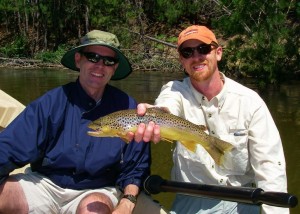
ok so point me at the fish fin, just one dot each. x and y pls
(167, 140)
(190, 145)
(124, 137)
(202, 127)
(161, 109)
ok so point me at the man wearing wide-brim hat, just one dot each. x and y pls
(105, 39)
(72, 172)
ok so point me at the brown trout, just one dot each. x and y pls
(172, 128)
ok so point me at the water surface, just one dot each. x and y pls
(27, 85)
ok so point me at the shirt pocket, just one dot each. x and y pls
(236, 162)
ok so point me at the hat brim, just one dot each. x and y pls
(122, 71)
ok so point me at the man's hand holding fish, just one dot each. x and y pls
(145, 132)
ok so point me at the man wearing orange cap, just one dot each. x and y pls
(231, 112)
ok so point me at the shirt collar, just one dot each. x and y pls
(222, 95)
(86, 102)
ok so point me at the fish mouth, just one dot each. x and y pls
(94, 126)
(95, 133)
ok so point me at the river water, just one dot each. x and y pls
(27, 84)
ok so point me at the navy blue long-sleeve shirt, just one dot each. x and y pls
(51, 135)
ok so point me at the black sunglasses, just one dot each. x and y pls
(188, 52)
(94, 58)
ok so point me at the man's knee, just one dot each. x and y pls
(95, 203)
(12, 197)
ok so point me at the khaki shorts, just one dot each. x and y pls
(43, 196)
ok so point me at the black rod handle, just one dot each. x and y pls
(279, 199)
(154, 184)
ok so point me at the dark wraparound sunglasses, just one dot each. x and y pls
(188, 52)
(94, 58)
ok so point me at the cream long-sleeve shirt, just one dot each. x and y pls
(237, 115)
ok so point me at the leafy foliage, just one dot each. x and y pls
(51, 56)
(260, 38)
(267, 50)
(17, 48)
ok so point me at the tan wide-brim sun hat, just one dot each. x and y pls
(102, 38)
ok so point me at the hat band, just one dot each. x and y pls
(93, 41)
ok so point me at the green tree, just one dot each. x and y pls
(260, 38)
(266, 51)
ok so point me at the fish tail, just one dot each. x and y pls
(218, 150)
(222, 145)
(216, 155)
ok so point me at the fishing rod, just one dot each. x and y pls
(153, 39)
(154, 184)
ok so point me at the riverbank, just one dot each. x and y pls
(26, 63)
(151, 64)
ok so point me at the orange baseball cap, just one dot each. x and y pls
(197, 32)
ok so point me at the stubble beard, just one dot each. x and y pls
(200, 76)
